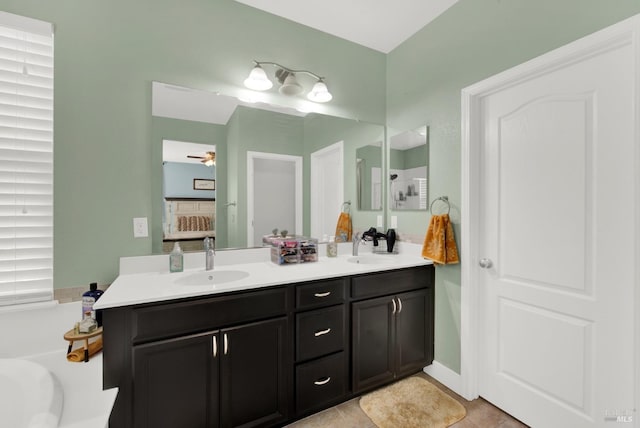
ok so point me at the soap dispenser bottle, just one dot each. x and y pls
(332, 247)
(176, 259)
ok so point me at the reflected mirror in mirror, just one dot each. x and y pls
(188, 194)
(241, 131)
(369, 177)
(408, 169)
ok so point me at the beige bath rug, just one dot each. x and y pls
(412, 402)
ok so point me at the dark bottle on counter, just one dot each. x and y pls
(88, 299)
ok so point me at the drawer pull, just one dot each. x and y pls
(325, 294)
(322, 382)
(393, 302)
(215, 346)
(399, 305)
(226, 344)
(322, 332)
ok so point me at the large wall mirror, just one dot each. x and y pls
(275, 168)
(408, 169)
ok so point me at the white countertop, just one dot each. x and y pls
(157, 286)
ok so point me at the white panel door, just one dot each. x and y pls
(274, 186)
(274, 195)
(556, 245)
(327, 189)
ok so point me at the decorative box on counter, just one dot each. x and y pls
(294, 250)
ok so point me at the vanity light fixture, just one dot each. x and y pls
(259, 81)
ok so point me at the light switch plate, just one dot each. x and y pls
(394, 221)
(140, 227)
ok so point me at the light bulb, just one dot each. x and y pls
(320, 93)
(290, 86)
(258, 80)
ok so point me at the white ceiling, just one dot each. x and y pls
(378, 24)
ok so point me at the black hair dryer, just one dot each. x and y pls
(391, 240)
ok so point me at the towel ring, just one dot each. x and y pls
(444, 199)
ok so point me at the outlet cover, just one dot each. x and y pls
(379, 221)
(394, 221)
(140, 227)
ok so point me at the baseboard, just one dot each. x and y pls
(445, 376)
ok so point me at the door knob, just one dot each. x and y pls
(485, 263)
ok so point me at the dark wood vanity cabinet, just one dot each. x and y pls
(392, 335)
(213, 379)
(321, 344)
(176, 383)
(225, 362)
(265, 358)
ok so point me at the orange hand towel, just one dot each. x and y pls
(344, 228)
(77, 355)
(439, 243)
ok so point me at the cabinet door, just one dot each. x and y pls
(176, 383)
(254, 366)
(413, 347)
(372, 340)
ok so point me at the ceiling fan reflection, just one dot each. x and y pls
(208, 159)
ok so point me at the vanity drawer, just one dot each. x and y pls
(320, 382)
(321, 293)
(391, 282)
(320, 332)
(161, 321)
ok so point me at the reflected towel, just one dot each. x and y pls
(77, 355)
(343, 228)
(439, 243)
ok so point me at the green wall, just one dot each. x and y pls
(469, 42)
(107, 53)
(409, 158)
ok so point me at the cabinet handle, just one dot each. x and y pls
(325, 294)
(393, 302)
(322, 382)
(322, 332)
(214, 340)
(226, 344)
(399, 305)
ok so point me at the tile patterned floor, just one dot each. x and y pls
(480, 414)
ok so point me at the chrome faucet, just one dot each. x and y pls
(209, 252)
(356, 242)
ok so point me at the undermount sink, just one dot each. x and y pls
(212, 277)
(371, 259)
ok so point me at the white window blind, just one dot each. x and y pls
(26, 160)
